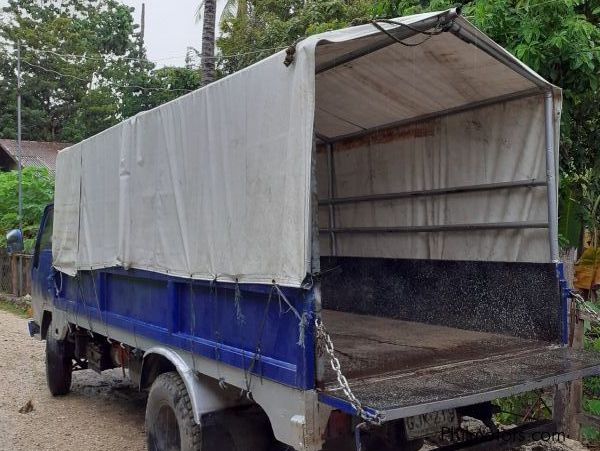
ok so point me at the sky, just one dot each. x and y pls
(170, 29)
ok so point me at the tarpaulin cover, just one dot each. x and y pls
(475, 147)
(217, 184)
(212, 185)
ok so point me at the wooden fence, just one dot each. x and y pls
(10, 266)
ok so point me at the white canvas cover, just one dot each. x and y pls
(212, 185)
(475, 147)
(217, 184)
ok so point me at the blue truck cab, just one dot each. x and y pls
(352, 243)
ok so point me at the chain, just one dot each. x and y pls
(370, 417)
(583, 305)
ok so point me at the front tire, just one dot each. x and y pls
(59, 365)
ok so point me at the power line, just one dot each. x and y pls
(103, 58)
(149, 88)
(124, 58)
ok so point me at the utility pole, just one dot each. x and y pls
(20, 167)
(143, 24)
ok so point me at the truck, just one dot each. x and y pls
(351, 243)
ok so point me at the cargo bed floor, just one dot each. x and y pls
(404, 368)
(369, 345)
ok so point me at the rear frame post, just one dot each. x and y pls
(551, 176)
(331, 194)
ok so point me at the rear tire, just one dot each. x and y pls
(170, 424)
(59, 365)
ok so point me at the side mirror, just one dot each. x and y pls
(14, 241)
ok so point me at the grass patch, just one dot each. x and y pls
(11, 307)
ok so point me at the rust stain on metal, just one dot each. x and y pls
(474, 124)
(384, 136)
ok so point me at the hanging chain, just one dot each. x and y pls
(583, 306)
(370, 417)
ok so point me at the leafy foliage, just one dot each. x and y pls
(515, 408)
(38, 191)
(580, 204)
(591, 386)
(171, 78)
(274, 24)
(570, 211)
(68, 97)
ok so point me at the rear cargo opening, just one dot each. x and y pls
(436, 226)
(408, 314)
(416, 336)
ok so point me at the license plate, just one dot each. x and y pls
(430, 423)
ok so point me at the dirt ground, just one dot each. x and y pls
(103, 412)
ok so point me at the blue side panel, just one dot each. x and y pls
(264, 330)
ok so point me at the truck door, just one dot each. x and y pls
(42, 282)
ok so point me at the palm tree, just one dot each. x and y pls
(207, 64)
(233, 8)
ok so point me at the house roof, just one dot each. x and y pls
(34, 153)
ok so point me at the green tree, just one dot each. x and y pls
(235, 9)
(66, 96)
(275, 24)
(56, 88)
(168, 83)
(38, 191)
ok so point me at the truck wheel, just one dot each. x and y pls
(170, 424)
(59, 366)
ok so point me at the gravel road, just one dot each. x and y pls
(103, 412)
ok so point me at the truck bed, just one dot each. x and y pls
(370, 345)
(405, 368)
